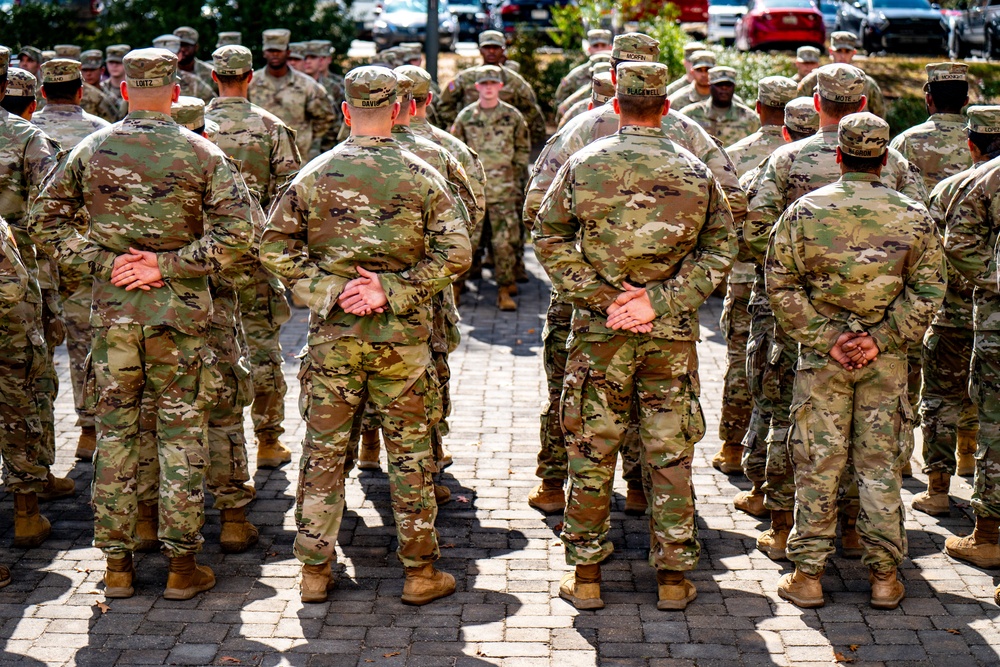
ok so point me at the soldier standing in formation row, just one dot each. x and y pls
(598, 41)
(724, 118)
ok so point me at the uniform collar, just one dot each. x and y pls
(149, 115)
(401, 129)
(642, 131)
(949, 117)
(860, 176)
(372, 141)
(72, 108)
(771, 129)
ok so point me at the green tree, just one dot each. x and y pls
(32, 24)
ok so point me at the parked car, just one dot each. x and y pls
(978, 27)
(829, 10)
(895, 25)
(722, 18)
(780, 24)
(401, 21)
(527, 14)
(473, 18)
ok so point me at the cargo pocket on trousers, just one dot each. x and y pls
(209, 378)
(240, 466)
(906, 424)
(244, 382)
(694, 419)
(305, 382)
(90, 394)
(571, 401)
(770, 381)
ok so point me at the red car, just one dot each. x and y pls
(780, 24)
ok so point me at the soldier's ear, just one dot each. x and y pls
(175, 94)
(614, 103)
(840, 156)
(666, 107)
(345, 108)
(430, 98)
(864, 103)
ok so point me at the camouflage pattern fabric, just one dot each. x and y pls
(750, 151)
(466, 156)
(574, 111)
(193, 85)
(581, 94)
(68, 124)
(937, 147)
(984, 390)
(678, 84)
(333, 84)
(461, 92)
(686, 96)
(759, 372)
(576, 77)
(728, 125)
(300, 102)
(113, 92)
(552, 458)
(876, 102)
(97, 103)
(736, 401)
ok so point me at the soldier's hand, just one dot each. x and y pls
(861, 349)
(136, 270)
(631, 311)
(363, 295)
(851, 361)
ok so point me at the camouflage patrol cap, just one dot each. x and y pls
(296, 50)
(843, 40)
(232, 60)
(839, 82)
(318, 48)
(31, 52)
(411, 50)
(636, 47)
(211, 129)
(692, 47)
(807, 54)
(150, 68)
(226, 38)
(776, 91)
(187, 35)
(801, 115)
(600, 57)
(71, 51)
(863, 135)
(492, 38)
(420, 78)
(169, 42)
(388, 58)
(700, 59)
(189, 112)
(92, 59)
(600, 68)
(984, 119)
(48, 55)
(370, 87)
(722, 75)
(404, 86)
(59, 70)
(4, 59)
(643, 79)
(599, 37)
(277, 39)
(20, 83)
(115, 52)
(603, 89)
(946, 72)
(489, 73)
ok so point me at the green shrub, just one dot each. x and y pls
(904, 113)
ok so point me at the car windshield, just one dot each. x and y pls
(412, 6)
(786, 4)
(728, 3)
(901, 4)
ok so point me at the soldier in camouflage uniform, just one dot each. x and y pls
(588, 100)
(721, 116)
(806, 60)
(317, 65)
(773, 93)
(92, 69)
(499, 134)
(191, 84)
(291, 96)
(583, 91)
(112, 86)
(183, 216)
(699, 88)
(689, 50)
(972, 229)
(187, 58)
(598, 42)
(855, 272)
(368, 287)
(20, 97)
(635, 326)
(842, 50)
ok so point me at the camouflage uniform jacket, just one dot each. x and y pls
(97, 103)
(203, 71)
(333, 84)
(578, 76)
(193, 86)
(678, 84)
(113, 92)
(728, 125)
(582, 93)
(299, 101)
(500, 137)
(147, 183)
(956, 310)
(687, 96)
(937, 147)
(68, 124)
(750, 151)
(636, 207)
(467, 157)
(580, 107)
(394, 215)
(876, 103)
(855, 256)
(461, 92)
(18, 320)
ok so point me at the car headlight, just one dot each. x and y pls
(880, 22)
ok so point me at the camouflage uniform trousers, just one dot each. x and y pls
(157, 380)
(606, 378)
(945, 406)
(79, 336)
(758, 348)
(263, 311)
(778, 383)
(505, 225)
(337, 378)
(47, 383)
(736, 401)
(984, 390)
(842, 417)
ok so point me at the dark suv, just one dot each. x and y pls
(895, 25)
(527, 14)
(977, 28)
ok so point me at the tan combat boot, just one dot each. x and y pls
(271, 453)
(504, 300)
(774, 540)
(238, 534)
(582, 588)
(30, 527)
(981, 548)
(548, 497)
(87, 443)
(801, 589)
(370, 447)
(887, 590)
(187, 578)
(316, 582)
(934, 500)
(147, 528)
(850, 541)
(965, 450)
(674, 592)
(118, 577)
(57, 487)
(751, 502)
(425, 584)
(729, 459)
(635, 498)
(442, 494)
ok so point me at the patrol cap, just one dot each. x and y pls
(492, 38)
(411, 50)
(801, 115)
(776, 91)
(937, 72)
(277, 39)
(600, 57)
(31, 52)
(48, 55)
(318, 48)
(404, 85)
(4, 59)
(388, 58)
(603, 89)
(169, 42)
(595, 37)
(807, 54)
(297, 50)
(232, 60)
(643, 79)
(370, 87)
(187, 35)
(489, 73)
(600, 68)
(984, 119)
(839, 82)
(843, 40)
(189, 112)
(92, 59)
(115, 52)
(211, 129)
(420, 78)
(60, 70)
(71, 51)
(863, 135)
(636, 47)
(150, 68)
(20, 82)
(722, 75)
(226, 38)
(701, 59)
(691, 47)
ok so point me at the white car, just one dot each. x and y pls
(364, 15)
(722, 18)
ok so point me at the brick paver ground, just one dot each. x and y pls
(507, 559)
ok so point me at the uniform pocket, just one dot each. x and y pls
(305, 383)
(694, 418)
(907, 421)
(244, 382)
(571, 402)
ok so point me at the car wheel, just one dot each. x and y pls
(956, 48)
(989, 45)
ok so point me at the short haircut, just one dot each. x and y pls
(644, 107)
(16, 104)
(422, 100)
(949, 96)
(796, 135)
(772, 115)
(986, 143)
(838, 109)
(368, 114)
(63, 90)
(232, 79)
(869, 165)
